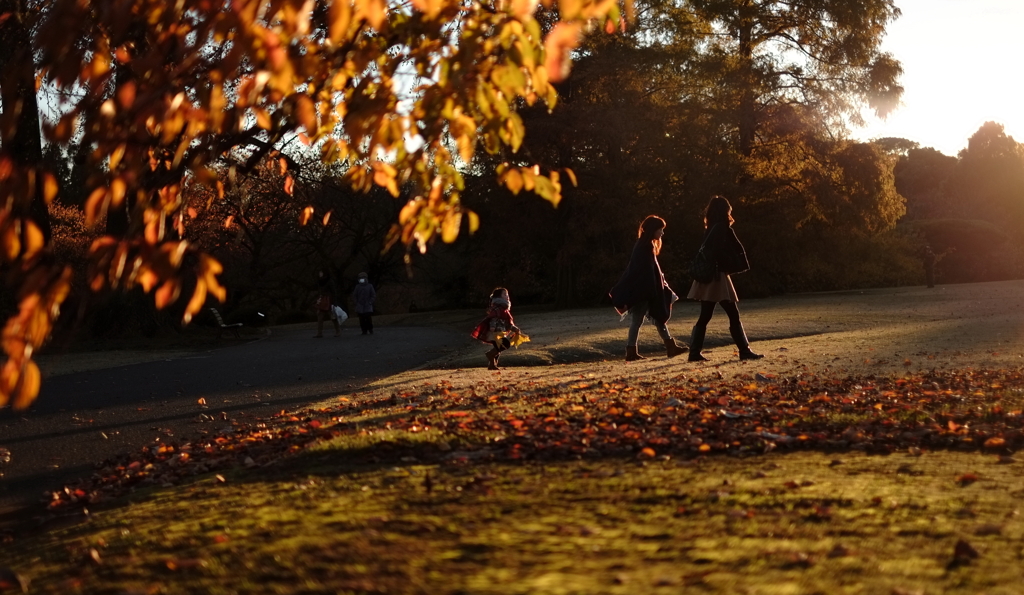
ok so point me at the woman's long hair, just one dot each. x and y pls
(647, 229)
(718, 211)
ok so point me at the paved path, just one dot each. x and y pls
(85, 417)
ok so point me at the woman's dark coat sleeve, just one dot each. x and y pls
(643, 282)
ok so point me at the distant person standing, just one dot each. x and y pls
(643, 292)
(325, 303)
(929, 266)
(726, 250)
(364, 295)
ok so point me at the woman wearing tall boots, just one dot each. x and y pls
(721, 243)
(643, 292)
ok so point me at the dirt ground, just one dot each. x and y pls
(875, 331)
(882, 332)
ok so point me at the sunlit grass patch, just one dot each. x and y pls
(571, 485)
(799, 523)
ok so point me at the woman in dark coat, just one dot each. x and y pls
(643, 292)
(721, 243)
(364, 296)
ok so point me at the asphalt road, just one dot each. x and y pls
(83, 418)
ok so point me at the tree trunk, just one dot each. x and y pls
(18, 94)
(565, 287)
(747, 118)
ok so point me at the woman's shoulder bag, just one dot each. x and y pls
(704, 266)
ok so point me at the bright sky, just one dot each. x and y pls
(963, 65)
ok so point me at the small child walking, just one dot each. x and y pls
(497, 328)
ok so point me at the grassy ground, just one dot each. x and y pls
(799, 523)
(871, 452)
(569, 486)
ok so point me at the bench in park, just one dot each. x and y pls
(220, 322)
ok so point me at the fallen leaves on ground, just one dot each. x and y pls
(570, 418)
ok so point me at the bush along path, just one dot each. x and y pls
(488, 454)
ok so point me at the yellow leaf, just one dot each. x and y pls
(262, 118)
(558, 45)
(572, 176)
(9, 375)
(154, 231)
(514, 181)
(115, 157)
(148, 280)
(463, 128)
(384, 175)
(50, 187)
(38, 325)
(341, 16)
(289, 185)
(118, 188)
(430, 8)
(474, 222)
(327, 217)
(410, 210)
(96, 206)
(167, 293)
(11, 243)
(374, 11)
(33, 239)
(210, 269)
(523, 9)
(529, 178)
(450, 228)
(307, 213)
(28, 386)
(196, 303)
(515, 339)
(569, 9)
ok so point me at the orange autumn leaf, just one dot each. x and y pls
(558, 47)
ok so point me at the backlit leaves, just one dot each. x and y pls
(196, 92)
(42, 293)
(563, 39)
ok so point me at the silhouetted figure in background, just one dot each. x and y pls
(929, 266)
(364, 295)
(725, 248)
(643, 292)
(324, 303)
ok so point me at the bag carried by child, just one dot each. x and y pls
(338, 314)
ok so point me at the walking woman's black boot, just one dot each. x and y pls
(740, 338)
(696, 344)
(673, 349)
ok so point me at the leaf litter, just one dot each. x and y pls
(457, 442)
